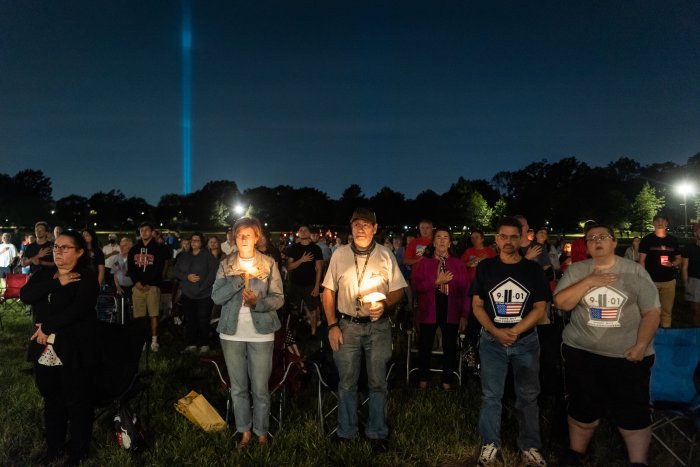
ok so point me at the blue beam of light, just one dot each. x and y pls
(186, 98)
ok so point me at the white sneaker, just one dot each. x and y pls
(155, 347)
(533, 457)
(190, 349)
(488, 454)
(204, 349)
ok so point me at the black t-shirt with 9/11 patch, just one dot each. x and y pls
(509, 291)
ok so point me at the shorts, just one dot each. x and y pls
(298, 293)
(146, 303)
(596, 384)
(692, 290)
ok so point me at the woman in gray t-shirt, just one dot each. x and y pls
(608, 345)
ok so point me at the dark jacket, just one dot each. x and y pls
(67, 311)
(204, 265)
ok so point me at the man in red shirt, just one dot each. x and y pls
(414, 250)
(477, 252)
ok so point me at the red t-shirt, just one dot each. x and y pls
(416, 247)
(471, 253)
(579, 250)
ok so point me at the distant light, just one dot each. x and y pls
(464, 227)
(685, 188)
(142, 213)
(53, 212)
(95, 224)
(161, 224)
(265, 224)
(239, 209)
(405, 227)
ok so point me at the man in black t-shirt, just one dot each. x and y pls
(40, 253)
(305, 263)
(509, 298)
(659, 254)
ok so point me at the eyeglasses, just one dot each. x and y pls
(601, 237)
(63, 248)
(505, 238)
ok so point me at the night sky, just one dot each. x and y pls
(405, 94)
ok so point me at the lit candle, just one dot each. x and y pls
(373, 298)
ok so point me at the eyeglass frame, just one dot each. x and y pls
(601, 237)
(63, 248)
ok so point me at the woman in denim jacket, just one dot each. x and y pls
(249, 287)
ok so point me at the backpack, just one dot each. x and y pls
(127, 429)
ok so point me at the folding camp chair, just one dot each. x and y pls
(412, 353)
(9, 299)
(675, 391)
(327, 384)
(119, 382)
(287, 371)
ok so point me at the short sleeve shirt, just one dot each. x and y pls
(33, 249)
(659, 250)
(382, 274)
(509, 291)
(416, 247)
(692, 254)
(606, 320)
(305, 273)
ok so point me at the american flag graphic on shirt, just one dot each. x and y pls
(604, 313)
(508, 309)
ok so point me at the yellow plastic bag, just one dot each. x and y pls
(199, 411)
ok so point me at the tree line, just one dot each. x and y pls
(561, 195)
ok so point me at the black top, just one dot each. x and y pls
(67, 311)
(305, 273)
(146, 263)
(692, 253)
(33, 249)
(510, 290)
(659, 249)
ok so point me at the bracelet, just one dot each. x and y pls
(334, 325)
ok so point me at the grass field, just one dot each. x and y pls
(430, 428)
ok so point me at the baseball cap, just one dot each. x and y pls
(364, 214)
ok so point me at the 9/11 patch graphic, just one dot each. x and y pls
(604, 307)
(508, 300)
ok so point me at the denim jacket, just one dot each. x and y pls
(265, 280)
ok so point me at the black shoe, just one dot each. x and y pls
(571, 458)
(380, 446)
(335, 439)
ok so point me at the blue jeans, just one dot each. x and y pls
(252, 360)
(375, 339)
(524, 357)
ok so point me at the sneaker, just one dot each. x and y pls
(533, 457)
(190, 349)
(155, 347)
(204, 349)
(488, 454)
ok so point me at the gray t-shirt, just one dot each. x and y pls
(382, 274)
(606, 320)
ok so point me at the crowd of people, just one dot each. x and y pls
(348, 286)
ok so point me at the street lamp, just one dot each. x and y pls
(239, 209)
(685, 188)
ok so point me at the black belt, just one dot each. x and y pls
(359, 319)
